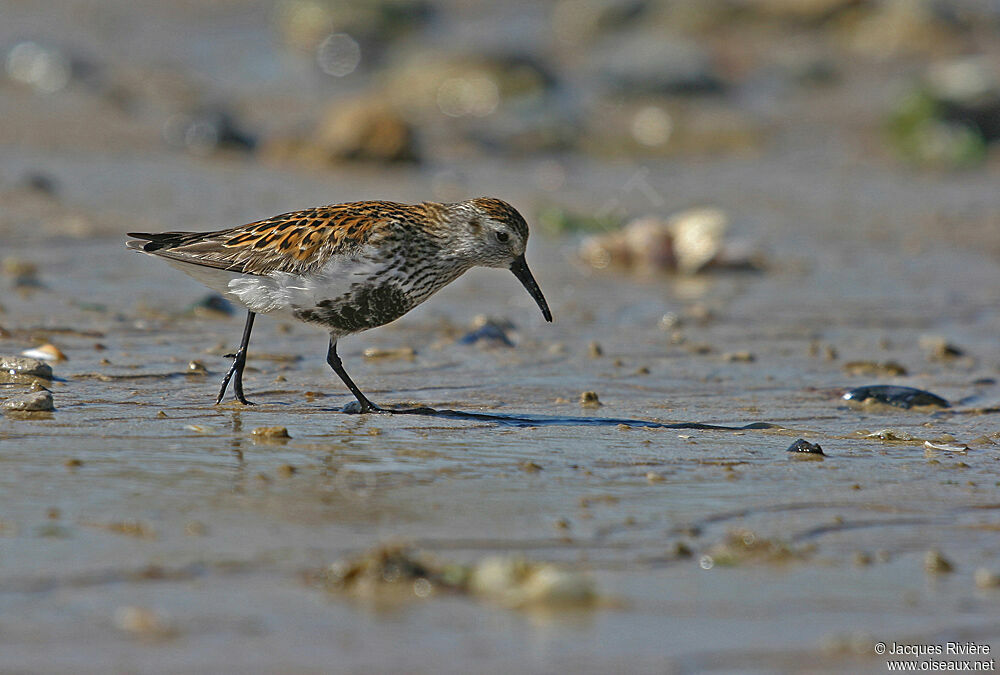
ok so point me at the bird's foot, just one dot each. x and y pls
(242, 401)
(358, 408)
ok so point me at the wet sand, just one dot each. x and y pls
(711, 549)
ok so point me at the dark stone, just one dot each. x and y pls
(802, 445)
(489, 332)
(901, 397)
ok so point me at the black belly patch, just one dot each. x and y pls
(362, 308)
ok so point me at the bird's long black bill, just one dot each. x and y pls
(520, 269)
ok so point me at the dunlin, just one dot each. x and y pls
(347, 267)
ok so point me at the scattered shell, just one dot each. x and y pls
(741, 545)
(900, 397)
(374, 353)
(936, 563)
(960, 448)
(589, 399)
(986, 578)
(516, 582)
(270, 432)
(688, 242)
(46, 352)
(804, 446)
(697, 237)
(891, 435)
(19, 368)
(34, 401)
(393, 571)
(510, 581)
(144, 622)
(670, 321)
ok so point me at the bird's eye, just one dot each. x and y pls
(502, 237)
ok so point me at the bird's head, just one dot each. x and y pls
(491, 233)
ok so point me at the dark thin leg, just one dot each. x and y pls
(239, 362)
(338, 367)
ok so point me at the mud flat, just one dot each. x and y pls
(610, 492)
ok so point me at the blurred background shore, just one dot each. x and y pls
(739, 209)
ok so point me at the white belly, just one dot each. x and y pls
(284, 292)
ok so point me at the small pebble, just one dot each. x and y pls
(589, 399)
(73, 464)
(491, 332)
(271, 432)
(529, 467)
(682, 550)
(24, 273)
(874, 368)
(670, 321)
(197, 368)
(213, 306)
(594, 349)
(891, 435)
(195, 528)
(654, 477)
(936, 563)
(739, 357)
(286, 470)
(558, 349)
(23, 367)
(863, 558)
(939, 349)
(373, 353)
(35, 401)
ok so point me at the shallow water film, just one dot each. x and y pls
(740, 213)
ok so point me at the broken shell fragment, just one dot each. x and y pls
(46, 352)
(687, 242)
